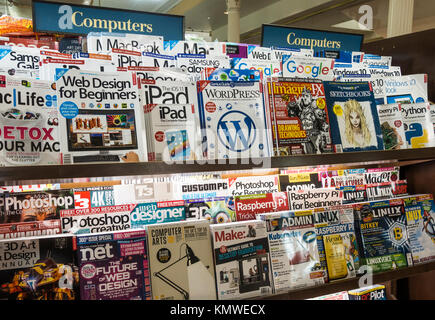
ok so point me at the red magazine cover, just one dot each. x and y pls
(301, 118)
(248, 206)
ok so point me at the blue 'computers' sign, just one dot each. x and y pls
(57, 17)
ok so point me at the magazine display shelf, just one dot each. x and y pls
(349, 284)
(417, 166)
(24, 173)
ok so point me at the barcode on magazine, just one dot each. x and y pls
(338, 148)
(67, 159)
(265, 290)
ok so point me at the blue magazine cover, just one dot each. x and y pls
(353, 116)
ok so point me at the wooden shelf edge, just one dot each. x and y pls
(155, 168)
(350, 284)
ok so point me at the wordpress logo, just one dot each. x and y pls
(236, 131)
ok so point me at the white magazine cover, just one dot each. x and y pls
(123, 58)
(393, 132)
(20, 62)
(350, 71)
(52, 68)
(174, 132)
(373, 60)
(150, 59)
(145, 190)
(294, 255)
(305, 199)
(96, 220)
(260, 53)
(393, 71)
(196, 63)
(418, 125)
(233, 119)
(201, 189)
(181, 261)
(168, 92)
(308, 67)
(253, 185)
(405, 89)
(375, 81)
(104, 42)
(432, 115)
(278, 52)
(174, 47)
(268, 68)
(156, 73)
(100, 117)
(28, 122)
(241, 257)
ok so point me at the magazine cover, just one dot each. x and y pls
(308, 67)
(113, 266)
(342, 177)
(174, 132)
(196, 63)
(420, 215)
(215, 74)
(101, 118)
(353, 116)
(249, 206)
(28, 122)
(168, 92)
(380, 175)
(342, 295)
(174, 47)
(215, 210)
(29, 214)
(310, 199)
(393, 71)
(242, 262)
(293, 247)
(144, 214)
(233, 119)
(300, 117)
(259, 53)
(270, 68)
(39, 268)
(20, 62)
(336, 241)
(150, 59)
(122, 58)
(161, 74)
(209, 188)
(96, 220)
(386, 190)
(405, 89)
(382, 235)
(347, 71)
(354, 194)
(418, 125)
(374, 292)
(253, 185)
(393, 132)
(299, 181)
(181, 261)
(145, 190)
(278, 52)
(104, 42)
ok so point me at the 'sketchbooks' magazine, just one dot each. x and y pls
(353, 116)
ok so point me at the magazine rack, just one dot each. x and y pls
(417, 166)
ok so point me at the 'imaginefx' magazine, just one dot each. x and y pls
(100, 118)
